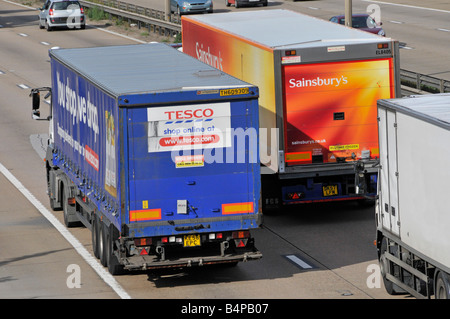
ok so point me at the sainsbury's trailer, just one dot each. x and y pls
(412, 210)
(319, 83)
(156, 153)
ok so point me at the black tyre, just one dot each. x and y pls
(95, 235)
(102, 242)
(114, 266)
(442, 286)
(390, 287)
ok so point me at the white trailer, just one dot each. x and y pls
(413, 205)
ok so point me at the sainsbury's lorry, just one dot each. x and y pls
(319, 83)
(154, 152)
(412, 210)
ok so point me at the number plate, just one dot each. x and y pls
(191, 240)
(330, 190)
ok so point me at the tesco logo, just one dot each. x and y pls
(189, 114)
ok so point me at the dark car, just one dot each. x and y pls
(241, 3)
(361, 21)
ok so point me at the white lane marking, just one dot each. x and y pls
(118, 34)
(92, 261)
(108, 31)
(23, 86)
(23, 34)
(20, 5)
(299, 262)
(396, 22)
(45, 43)
(445, 30)
(407, 6)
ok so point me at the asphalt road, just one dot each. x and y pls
(422, 27)
(317, 251)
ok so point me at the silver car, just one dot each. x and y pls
(191, 6)
(61, 13)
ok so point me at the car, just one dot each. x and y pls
(241, 3)
(61, 14)
(191, 6)
(363, 22)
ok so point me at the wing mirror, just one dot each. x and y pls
(36, 101)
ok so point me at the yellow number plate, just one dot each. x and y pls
(237, 91)
(191, 240)
(330, 190)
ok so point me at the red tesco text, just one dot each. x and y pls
(189, 114)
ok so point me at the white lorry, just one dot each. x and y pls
(413, 205)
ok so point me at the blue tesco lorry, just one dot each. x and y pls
(156, 153)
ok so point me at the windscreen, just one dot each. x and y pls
(64, 5)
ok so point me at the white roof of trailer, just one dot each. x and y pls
(430, 106)
(278, 28)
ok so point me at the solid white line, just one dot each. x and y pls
(298, 261)
(118, 34)
(396, 22)
(92, 261)
(23, 86)
(407, 6)
(445, 30)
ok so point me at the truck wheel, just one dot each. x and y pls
(102, 243)
(237, 4)
(442, 286)
(114, 266)
(390, 287)
(95, 242)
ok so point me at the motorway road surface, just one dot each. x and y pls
(320, 251)
(422, 27)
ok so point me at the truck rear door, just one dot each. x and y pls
(188, 168)
(388, 195)
(330, 109)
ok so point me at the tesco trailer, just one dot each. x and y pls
(319, 82)
(156, 153)
(413, 209)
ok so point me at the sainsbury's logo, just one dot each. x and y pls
(207, 57)
(297, 83)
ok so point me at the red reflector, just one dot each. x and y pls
(164, 240)
(143, 252)
(219, 235)
(240, 243)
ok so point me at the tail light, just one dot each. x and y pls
(241, 238)
(241, 234)
(50, 12)
(81, 10)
